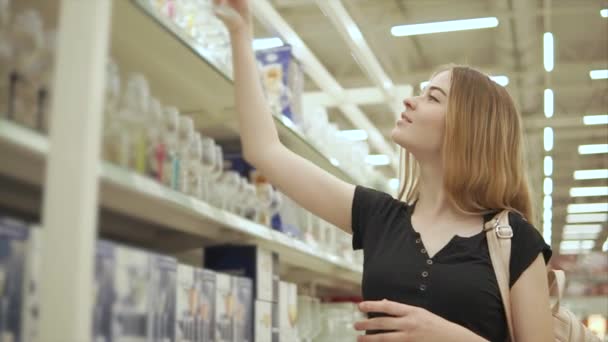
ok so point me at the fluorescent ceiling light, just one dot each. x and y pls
(547, 215)
(586, 218)
(587, 208)
(444, 26)
(596, 119)
(393, 183)
(548, 202)
(267, 43)
(605, 246)
(548, 139)
(548, 103)
(548, 166)
(377, 159)
(547, 232)
(582, 228)
(593, 149)
(548, 51)
(353, 134)
(334, 161)
(500, 79)
(579, 236)
(604, 13)
(598, 74)
(591, 174)
(589, 191)
(576, 245)
(548, 186)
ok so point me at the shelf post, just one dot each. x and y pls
(69, 214)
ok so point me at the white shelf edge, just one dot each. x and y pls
(34, 143)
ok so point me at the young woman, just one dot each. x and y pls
(427, 273)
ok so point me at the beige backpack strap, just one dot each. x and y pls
(499, 233)
(557, 278)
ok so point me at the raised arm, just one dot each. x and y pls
(310, 186)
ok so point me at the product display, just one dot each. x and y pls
(252, 262)
(224, 308)
(243, 309)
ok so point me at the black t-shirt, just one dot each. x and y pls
(458, 283)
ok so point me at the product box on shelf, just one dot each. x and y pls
(104, 290)
(30, 307)
(243, 309)
(130, 316)
(262, 325)
(288, 310)
(207, 307)
(18, 302)
(283, 80)
(195, 304)
(163, 298)
(258, 264)
(224, 310)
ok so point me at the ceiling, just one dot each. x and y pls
(514, 48)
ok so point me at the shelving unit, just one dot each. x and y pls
(129, 206)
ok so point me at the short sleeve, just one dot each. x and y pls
(526, 244)
(368, 204)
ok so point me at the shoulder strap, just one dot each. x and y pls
(499, 233)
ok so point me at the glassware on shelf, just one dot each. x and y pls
(209, 167)
(184, 138)
(133, 113)
(27, 38)
(191, 165)
(170, 173)
(227, 190)
(156, 150)
(111, 121)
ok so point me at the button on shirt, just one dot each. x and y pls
(458, 283)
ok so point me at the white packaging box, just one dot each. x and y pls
(162, 305)
(186, 304)
(133, 295)
(224, 308)
(243, 309)
(288, 311)
(263, 321)
(206, 310)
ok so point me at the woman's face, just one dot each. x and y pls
(421, 127)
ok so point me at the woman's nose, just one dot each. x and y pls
(410, 103)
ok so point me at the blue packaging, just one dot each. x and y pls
(13, 249)
(283, 80)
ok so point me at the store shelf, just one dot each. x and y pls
(188, 76)
(142, 199)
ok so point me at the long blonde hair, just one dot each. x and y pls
(483, 149)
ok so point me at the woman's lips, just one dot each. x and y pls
(405, 117)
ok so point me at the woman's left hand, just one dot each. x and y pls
(409, 323)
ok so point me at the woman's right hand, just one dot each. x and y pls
(235, 14)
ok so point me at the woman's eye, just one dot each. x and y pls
(433, 98)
